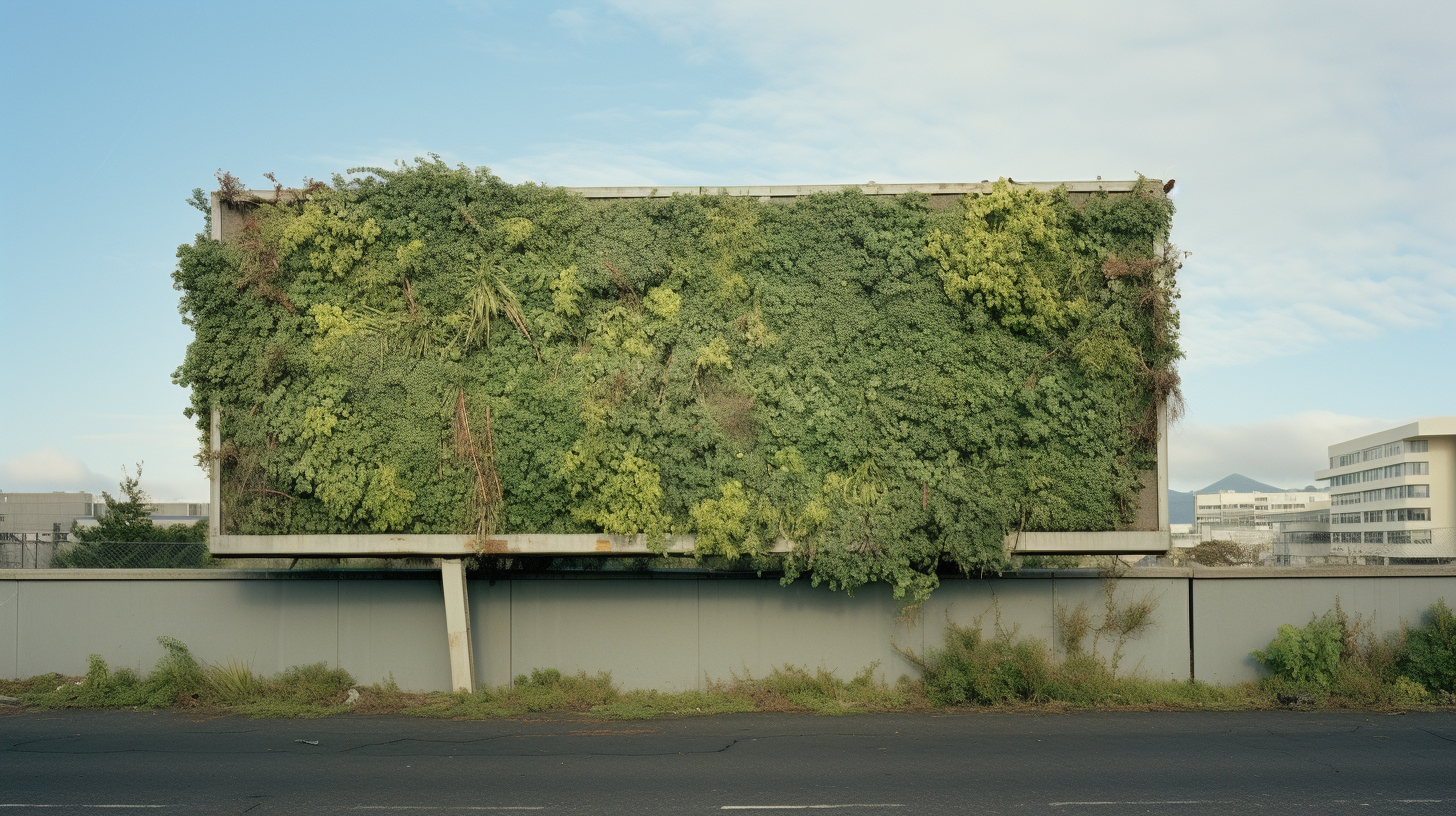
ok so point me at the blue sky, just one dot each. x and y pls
(1313, 145)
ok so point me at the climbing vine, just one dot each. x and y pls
(888, 385)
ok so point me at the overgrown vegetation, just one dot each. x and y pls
(888, 386)
(179, 680)
(1337, 659)
(1221, 553)
(126, 536)
(1430, 650)
(1411, 668)
(972, 669)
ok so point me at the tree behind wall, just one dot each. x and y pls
(126, 536)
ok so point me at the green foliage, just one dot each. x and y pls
(1338, 661)
(180, 681)
(1430, 650)
(176, 677)
(887, 387)
(972, 670)
(1308, 655)
(126, 536)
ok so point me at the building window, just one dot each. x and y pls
(1407, 492)
(1344, 518)
(1398, 537)
(1420, 536)
(1419, 446)
(1345, 538)
(1408, 514)
(1387, 472)
(1374, 516)
(1375, 538)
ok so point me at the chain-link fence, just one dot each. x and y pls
(26, 553)
(132, 555)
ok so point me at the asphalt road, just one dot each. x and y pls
(1101, 763)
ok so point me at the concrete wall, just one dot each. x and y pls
(669, 632)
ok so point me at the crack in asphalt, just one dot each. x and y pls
(437, 742)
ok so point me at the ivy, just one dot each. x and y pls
(888, 386)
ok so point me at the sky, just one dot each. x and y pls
(1312, 144)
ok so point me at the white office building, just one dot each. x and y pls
(1393, 493)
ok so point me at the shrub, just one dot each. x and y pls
(1430, 650)
(970, 669)
(1308, 655)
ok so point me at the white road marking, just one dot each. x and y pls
(798, 807)
(83, 806)
(1167, 802)
(449, 807)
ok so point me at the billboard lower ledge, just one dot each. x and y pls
(386, 545)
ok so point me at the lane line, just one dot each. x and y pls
(1167, 802)
(803, 807)
(449, 807)
(13, 805)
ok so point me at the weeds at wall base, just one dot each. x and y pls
(1334, 663)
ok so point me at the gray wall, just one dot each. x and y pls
(665, 632)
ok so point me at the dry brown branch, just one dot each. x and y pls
(488, 492)
(628, 294)
(229, 187)
(259, 266)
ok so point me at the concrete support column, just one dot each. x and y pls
(214, 478)
(457, 624)
(1163, 514)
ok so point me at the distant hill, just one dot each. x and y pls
(1181, 505)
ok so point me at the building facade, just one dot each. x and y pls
(1251, 510)
(1393, 493)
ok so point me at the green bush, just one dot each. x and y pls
(1308, 655)
(1430, 650)
(971, 669)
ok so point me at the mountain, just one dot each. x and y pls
(1181, 505)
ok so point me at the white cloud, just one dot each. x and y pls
(1284, 451)
(1311, 142)
(48, 469)
(585, 25)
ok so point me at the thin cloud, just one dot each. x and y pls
(1312, 140)
(1284, 451)
(46, 470)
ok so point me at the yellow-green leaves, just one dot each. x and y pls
(566, 291)
(1006, 259)
(735, 524)
(515, 231)
(663, 302)
(714, 356)
(334, 240)
(616, 491)
(1106, 352)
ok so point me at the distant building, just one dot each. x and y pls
(1255, 519)
(1393, 493)
(33, 524)
(1183, 535)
